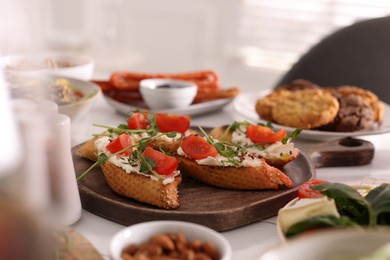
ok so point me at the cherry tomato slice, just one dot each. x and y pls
(197, 148)
(121, 142)
(165, 164)
(304, 191)
(262, 134)
(138, 121)
(172, 123)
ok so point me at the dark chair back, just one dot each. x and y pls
(355, 55)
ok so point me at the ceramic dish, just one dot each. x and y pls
(167, 93)
(67, 64)
(334, 244)
(81, 107)
(140, 233)
(79, 97)
(367, 184)
(244, 104)
(192, 110)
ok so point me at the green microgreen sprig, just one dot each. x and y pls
(224, 148)
(294, 134)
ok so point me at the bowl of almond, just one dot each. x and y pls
(170, 239)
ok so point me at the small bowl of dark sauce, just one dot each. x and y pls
(167, 93)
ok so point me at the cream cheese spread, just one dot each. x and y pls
(244, 160)
(275, 150)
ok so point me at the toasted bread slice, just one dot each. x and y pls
(278, 161)
(133, 185)
(239, 178)
(88, 150)
(142, 188)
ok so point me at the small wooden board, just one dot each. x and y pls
(216, 208)
(73, 245)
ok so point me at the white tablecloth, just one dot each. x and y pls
(248, 242)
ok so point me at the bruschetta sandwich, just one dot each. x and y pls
(225, 165)
(136, 158)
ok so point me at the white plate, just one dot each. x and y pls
(334, 244)
(245, 103)
(192, 110)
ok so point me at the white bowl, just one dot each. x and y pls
(78, 109)
(74, 65)
(167, 93)
(42, 88)
(333, 244)
(139, 233)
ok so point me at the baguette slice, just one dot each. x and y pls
(238, 178)
(279, 161)
(142, 188)
(88, 150)
(133, 185)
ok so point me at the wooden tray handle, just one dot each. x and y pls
(342, 152)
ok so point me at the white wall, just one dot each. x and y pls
(155, 36)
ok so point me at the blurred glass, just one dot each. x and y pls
(10, 150)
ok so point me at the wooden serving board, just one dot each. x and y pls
(72, 245)
(216, 208)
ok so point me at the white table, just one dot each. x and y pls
(248, 242)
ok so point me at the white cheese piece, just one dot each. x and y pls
(304, 209)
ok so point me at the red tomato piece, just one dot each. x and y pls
(197, 148)
(172, 123)
(305, 191)
(138, 121)
(262, 134)
(165, 164)
(121, 142)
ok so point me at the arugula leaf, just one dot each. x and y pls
(146, 165)
(102, 158)
(171, 134)
(233, 127)
(291, 136)
(323, 221)
(349, 202)
(379, 199)
(123, 126)
(268, 124)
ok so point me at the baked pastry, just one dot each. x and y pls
(302, 108)
(355, 113)
(265, 105)
(299, 84)
(369, 96)
(303, 104)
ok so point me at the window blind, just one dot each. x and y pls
(273, 34)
